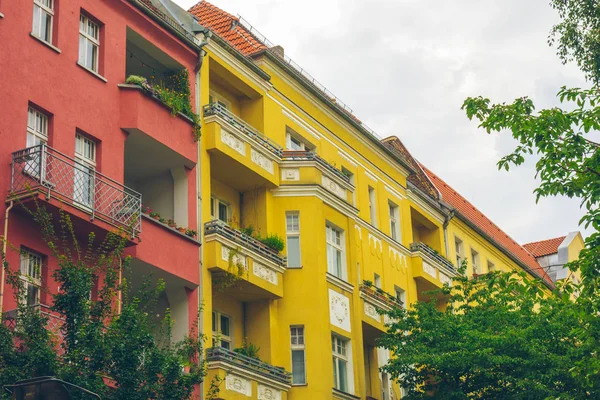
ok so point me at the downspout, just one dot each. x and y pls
(4, 245)
(445, 226)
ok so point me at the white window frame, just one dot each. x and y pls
(373, 206)
(475, 261)
(294, 138)
(25, 274)
(491, 266)
(41, 9)
(297, 346)
(395, 230)
(218, 335)
(37, 127)
(214, 97)
(334, 234)
(459, 248)
(85, 168)
(400, 295)
(377, 280)
(88, 37)
(214, 209)
(337, 343)
(293, 232)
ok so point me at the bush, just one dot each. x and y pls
(136, 80)
(273, 241)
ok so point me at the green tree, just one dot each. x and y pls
(500, 337)
(110, 351)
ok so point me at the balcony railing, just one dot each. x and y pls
(252, 364)
(380, 295)
(53, 323)
(431, 253)
(291, 155)
(243, 126)
(41, 168)
(220, 228)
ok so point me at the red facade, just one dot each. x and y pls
(129, 144)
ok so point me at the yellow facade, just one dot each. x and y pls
(248, 179)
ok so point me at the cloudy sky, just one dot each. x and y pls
(405, 67)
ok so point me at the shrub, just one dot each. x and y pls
(273, 241)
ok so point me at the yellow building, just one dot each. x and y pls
(364, 226)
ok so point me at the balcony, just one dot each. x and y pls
(248, 376)
(53, 323)
(142, 113)
(262, 268)
(229, 138)
(306, 167)
(430, 268)
(375, 299)
(43, 171)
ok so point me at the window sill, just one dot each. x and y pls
(334, 280)
(299, 384)
(56, 49)
(97, 75)
(1, 15)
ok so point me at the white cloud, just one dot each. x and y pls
(406, 66)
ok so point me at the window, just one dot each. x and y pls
(295, 142)
(350, 176)
(85, 167)
(491, 266)
(31, 275)
(475, 261)
(214, 97)
(89, 43)
(340, 363)
(37, 127)
(372, 207)
(335, 252)
(221, 329)
(400, 296)
(292, 222)
(219, 210)
(298, 355)
(458, 247)
(43, 13)
(394, 221)
(377, 280)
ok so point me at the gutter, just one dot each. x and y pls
(240, 57)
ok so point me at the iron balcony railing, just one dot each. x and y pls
(54, 323)
(305, 155)
(252, 364)
(41, 168)
(219, 227)
(235, 121)
(423, 248)
(369, 290)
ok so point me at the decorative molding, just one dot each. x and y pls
(393, 191)
(371, 175)
(290, 174)
(233, 142)
(268, 393)
(244, 251)
(429, 269)
(377, 247)
(237, 258)
(264, 272)
(397, 259)
(348, 158)
(303, 124)
(319, 192)
(371, 311)
(333, 187)
(238, 384)
(261, 160)
(445, 279)
(339, 310)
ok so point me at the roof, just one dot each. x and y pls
(417, 178)
(228, 27)
(544, 247)
(478, 219)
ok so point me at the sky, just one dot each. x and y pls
(405, 68)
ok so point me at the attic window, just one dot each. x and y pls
(295, 142)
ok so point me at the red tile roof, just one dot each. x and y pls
(544, 247)
(477, 218)
(227, 27)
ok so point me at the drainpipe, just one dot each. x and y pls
(445, 226)
(4, 245)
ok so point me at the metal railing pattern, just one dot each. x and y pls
(378, 294)
(221, 228)
(305, 155)
(265, 369)
(48, 170)
(423, 248)
(53, 324)
(240, 124)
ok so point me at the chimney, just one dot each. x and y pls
(278, 50)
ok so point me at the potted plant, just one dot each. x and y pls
(367, 283)
(191, 233)
(146, 210)
(181, 229)
(172, 223)
(155, 215)
(162, 220)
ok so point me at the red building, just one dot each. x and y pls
(77, 138)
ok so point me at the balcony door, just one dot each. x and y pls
(84, 172)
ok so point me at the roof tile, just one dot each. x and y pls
(544, 247)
